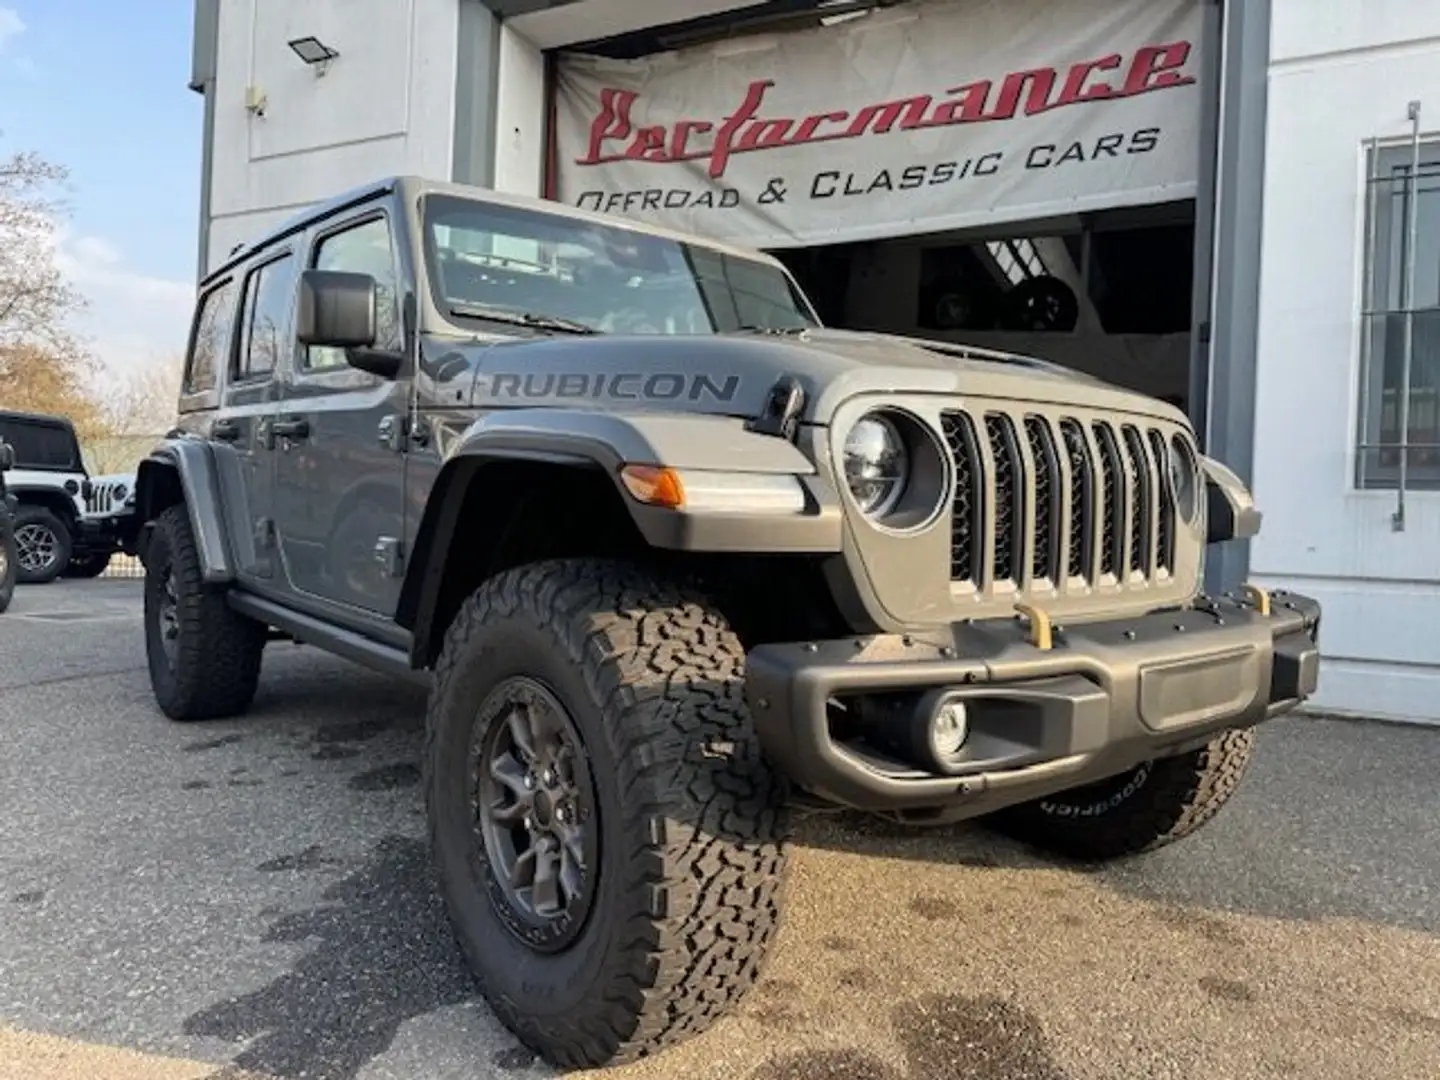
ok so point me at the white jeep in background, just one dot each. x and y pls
(66, 521)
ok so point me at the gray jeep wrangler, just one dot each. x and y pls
(674, 560)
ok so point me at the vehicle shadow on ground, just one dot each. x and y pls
(1306, 810)
(382, 952)
(1303, 838)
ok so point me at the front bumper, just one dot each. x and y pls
(1103, 698)
(112, 532)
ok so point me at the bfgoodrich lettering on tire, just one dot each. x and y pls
(204, 658)
(1141, 810)
(634, 903)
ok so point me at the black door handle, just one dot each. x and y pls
(225, 430)
(291, 429)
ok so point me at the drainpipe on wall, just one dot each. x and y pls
(204, 51)
(1233, 168)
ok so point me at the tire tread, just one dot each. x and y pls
(1181, 794)
(218, 668)
(704, 898)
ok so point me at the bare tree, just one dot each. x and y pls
(43, 366)
(142, 400)
(35, 300)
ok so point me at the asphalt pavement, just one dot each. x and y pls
(253, 898)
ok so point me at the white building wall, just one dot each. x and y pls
(1342, 72)
(519, 115)
(385, 106)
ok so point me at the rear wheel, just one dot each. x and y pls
(1141, 810)
(42, 545)
(204, 658)
(609, 840)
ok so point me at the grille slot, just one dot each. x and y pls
(1009, 493)
(1057, 486)
(1079, 498)
(969, 501)
(1165, 534)
(1046, 529)
(1141, 485)
(1111, 474)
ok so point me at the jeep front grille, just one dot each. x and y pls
(1040, 498)
(105, 498)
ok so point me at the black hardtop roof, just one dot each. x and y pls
(411, 187)
(38, 418)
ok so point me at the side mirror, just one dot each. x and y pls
(337, 309)
(7, 457)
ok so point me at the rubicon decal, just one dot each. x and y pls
(615, 137)
(617, 386)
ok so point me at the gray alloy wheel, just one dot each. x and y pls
(42, 545)
(534, 802)
(35, 547)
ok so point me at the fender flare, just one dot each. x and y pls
(191, 464)
(604, 442)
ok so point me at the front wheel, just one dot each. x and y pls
(1141, 810)
(609, 841)
(42, 545)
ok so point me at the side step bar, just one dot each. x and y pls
(374, 655)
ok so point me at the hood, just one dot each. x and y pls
(732, 374)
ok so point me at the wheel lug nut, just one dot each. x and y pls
(548, 776)
(529, 781)
(529, 823)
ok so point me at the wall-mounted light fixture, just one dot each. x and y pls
(314, 52)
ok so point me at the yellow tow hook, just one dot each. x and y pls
(1040, 629)
(1257, 596)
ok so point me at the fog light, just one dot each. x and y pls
(948, 731)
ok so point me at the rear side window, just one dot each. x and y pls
(265, 329)
(211, 336)
(40, 445)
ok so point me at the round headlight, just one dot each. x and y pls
(877, 464)
(1183, 479)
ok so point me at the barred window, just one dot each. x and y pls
(1400, 417)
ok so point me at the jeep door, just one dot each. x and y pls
(256, 357)
(340, 483)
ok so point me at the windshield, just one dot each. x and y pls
(485, 258)
(39, 445)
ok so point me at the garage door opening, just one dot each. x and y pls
(1108, 294)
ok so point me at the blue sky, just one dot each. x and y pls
(98, 86)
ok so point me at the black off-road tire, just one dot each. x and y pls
(41, 517)
(217, 652)
(8, 565)
(692, 834)
(1141, 810)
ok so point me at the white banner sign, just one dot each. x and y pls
(921, 118)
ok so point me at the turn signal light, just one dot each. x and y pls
(654, 485)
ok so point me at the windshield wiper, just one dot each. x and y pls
(522, 318)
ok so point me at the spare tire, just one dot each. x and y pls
(1042, 303)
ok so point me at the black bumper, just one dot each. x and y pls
(1102, 699)
(107, 534)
